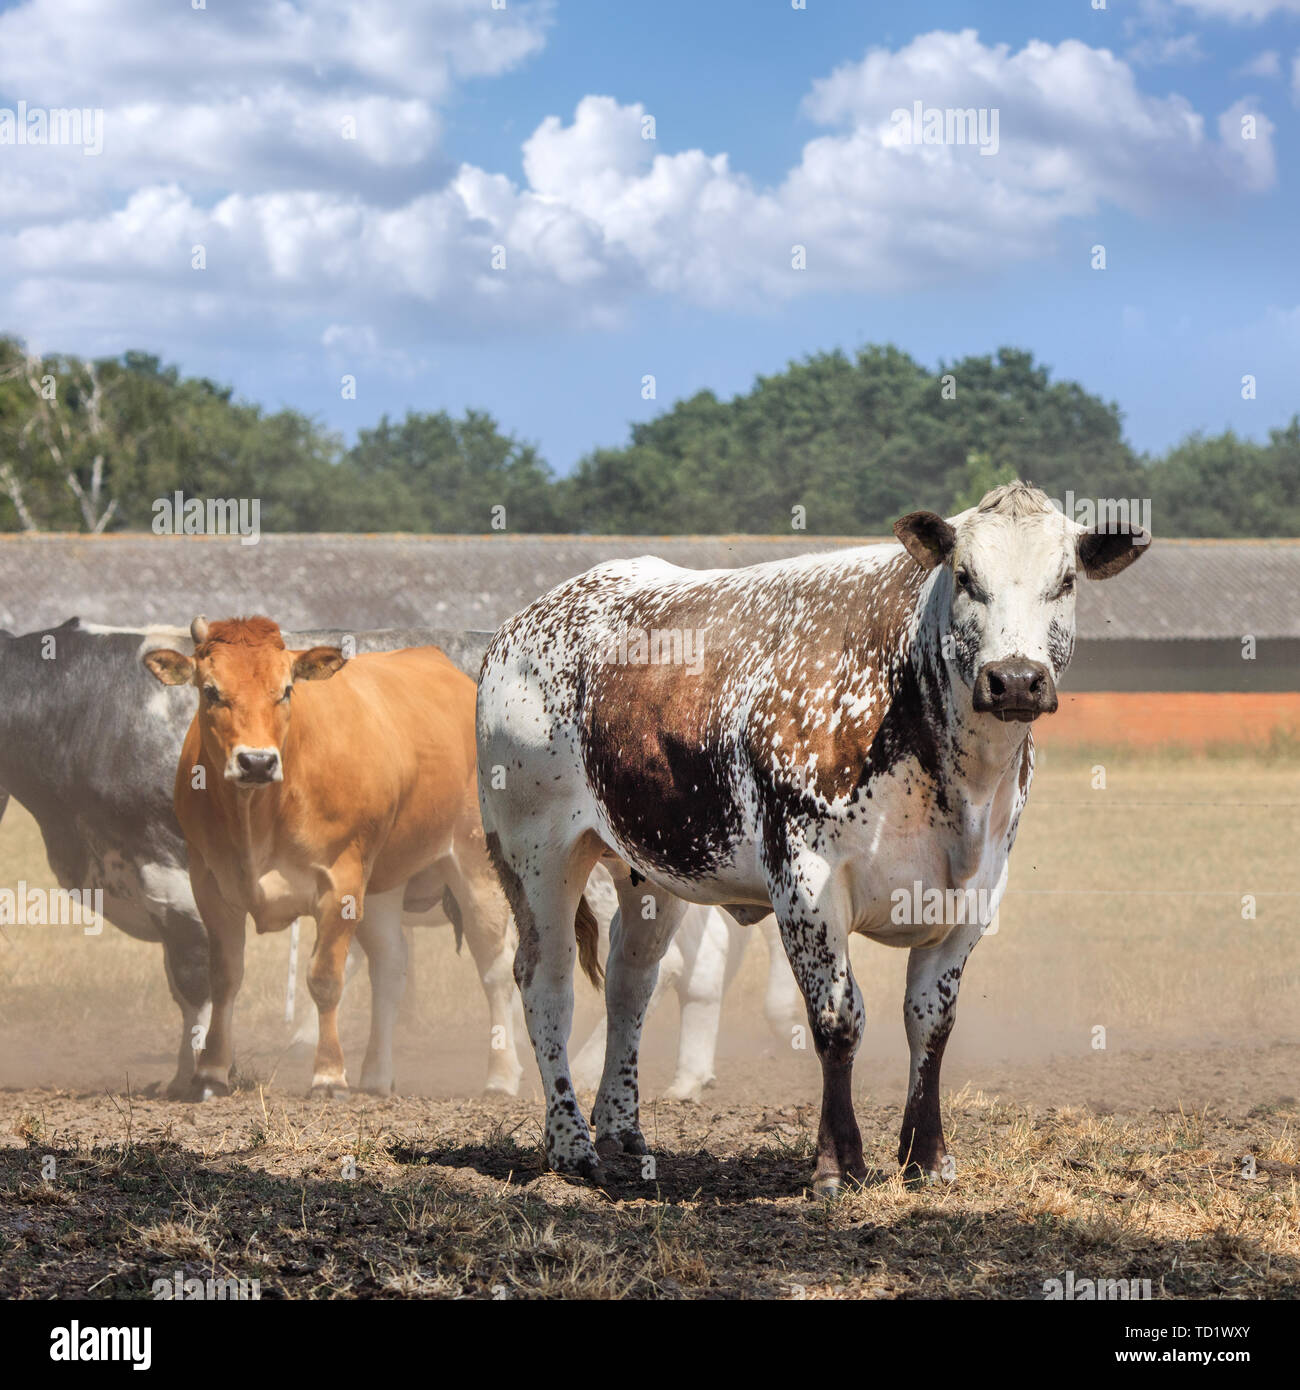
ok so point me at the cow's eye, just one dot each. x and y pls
(288, 690)
(963, 580)
(211, 694)
(1067, 586)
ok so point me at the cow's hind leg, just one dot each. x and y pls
(225, 928)
(543, 882)
(930, 1006)
(483, 917)
(381, 937)
(638, 937)
(492, 944)
(185, 958)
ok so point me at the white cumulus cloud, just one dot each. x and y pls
(310, 245)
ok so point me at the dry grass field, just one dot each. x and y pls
(1121, 1101)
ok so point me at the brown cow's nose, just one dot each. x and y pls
(258, 765)
(1017, 689)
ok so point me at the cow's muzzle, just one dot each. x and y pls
(255, 767)
(1015, 689)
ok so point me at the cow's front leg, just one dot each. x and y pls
(225, 928)
(337, 914)
(639, 935)
(812, 916)
(705, 955)
(929, 1008)
(782, 1006)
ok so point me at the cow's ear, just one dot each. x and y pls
(170, 667)
(1103, 553)
(318, 664)
(927, 536)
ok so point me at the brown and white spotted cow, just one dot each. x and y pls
(361, 801)
(821, 736)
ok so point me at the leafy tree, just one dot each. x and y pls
(853, 443)
(834, 444)
(982, 476)
(1226, 486)
(436, 473)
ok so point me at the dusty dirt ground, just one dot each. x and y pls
(1164, 1147)
(414, 1196)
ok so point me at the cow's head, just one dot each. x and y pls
(1010, 569)
(245, 679)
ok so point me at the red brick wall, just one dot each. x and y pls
(1193, 720)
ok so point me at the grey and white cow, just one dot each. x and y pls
(97, 776)
(851, 735)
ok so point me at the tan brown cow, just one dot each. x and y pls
(332, 812)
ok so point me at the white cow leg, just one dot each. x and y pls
(602, 898)
(489, 931)
(929, 1009)
(544, 883)
(380, 935)
(782, 1004)
(705, 948)
(590, 1061)
(638, 937)
(590, 1058)
(492, 944)
(504, 1067)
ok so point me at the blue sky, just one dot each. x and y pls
(349, 166)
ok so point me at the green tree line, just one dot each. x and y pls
(832, 445)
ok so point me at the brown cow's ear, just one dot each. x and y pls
(928, 537)
(318, 664)
(170, 667)
(1103, 553)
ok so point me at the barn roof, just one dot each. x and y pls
(1199, 589)
(1180, 590)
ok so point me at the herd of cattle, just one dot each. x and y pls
(850, 727)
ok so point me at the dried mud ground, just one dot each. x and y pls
(1120, 1098)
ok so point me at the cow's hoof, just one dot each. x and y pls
(180, 1088)
(686, 1092)
(832, 1186)
(500, 1090)
(329, 1090)
(586, 1166)
(373, 1082)
(630, 1141)
(591, 1172)
(207, 1088)
(916, 1175)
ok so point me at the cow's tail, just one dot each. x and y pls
(452, 908)
(587, 930)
